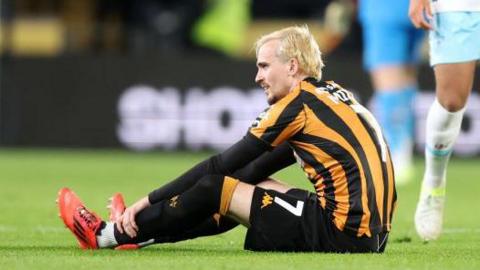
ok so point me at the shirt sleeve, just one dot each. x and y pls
(280, 121)
(267, 164)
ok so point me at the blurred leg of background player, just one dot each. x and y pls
(391, 50)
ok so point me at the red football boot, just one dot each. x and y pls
(128, 247)
(81, 222)
(116, 206)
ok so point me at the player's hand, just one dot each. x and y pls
(126, 222)
(420, 13)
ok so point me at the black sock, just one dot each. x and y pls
(213, 225)
(179, 214)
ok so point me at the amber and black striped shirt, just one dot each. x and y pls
(341, 149)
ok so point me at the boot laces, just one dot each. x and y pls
(89, 218)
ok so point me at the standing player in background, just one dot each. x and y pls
(390, 51)
(454, 49)
(337, 142)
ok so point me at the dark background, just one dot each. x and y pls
(67, 96)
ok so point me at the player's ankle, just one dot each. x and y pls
(106, 236)
(433, 191)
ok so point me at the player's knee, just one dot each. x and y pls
(452, 103)
(452, 95)
(210, 182)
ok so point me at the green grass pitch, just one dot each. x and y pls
(33, 237)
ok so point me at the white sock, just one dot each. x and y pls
(106, 238)
(443, 128)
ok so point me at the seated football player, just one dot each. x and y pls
(337, 142)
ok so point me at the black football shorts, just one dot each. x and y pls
(295, 222)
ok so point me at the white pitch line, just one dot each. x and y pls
(461, 230)
(7, 229)
(49, 229)
(37, 229)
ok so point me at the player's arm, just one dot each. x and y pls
(226, 163)
(254, 172)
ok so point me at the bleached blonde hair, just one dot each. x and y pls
(296, 42)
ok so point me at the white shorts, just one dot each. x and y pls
(455, 37)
